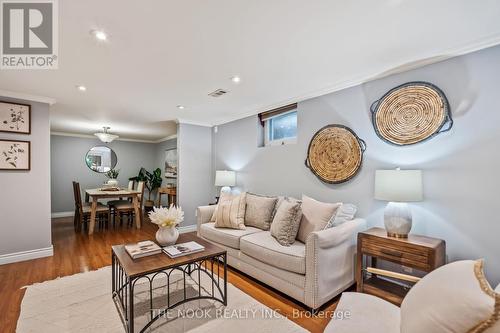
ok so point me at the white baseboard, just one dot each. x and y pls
(26, 255)
(188, 228)
(61, 214)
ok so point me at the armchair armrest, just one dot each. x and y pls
(204, 214)
(330, 261)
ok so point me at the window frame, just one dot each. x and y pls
(279, 142)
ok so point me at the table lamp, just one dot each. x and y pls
(225, 179)
(398, 187)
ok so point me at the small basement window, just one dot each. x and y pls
(279, 125)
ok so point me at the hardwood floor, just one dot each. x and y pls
(75, 253)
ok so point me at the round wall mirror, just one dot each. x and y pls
(101, 159)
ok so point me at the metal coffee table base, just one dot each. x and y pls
(123, 287)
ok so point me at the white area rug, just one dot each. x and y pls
(83, 303)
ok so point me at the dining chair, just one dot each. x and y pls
(126, 208)
(83, 211)
(113, 203)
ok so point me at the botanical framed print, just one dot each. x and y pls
(15, 155)
(171, 163)
(15, 118)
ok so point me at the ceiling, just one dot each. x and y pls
(161, 54)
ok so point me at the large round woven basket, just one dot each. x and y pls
(411, 113)
(335, 154)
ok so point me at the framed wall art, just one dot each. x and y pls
(15, 118)
(15, 155)
(171, 163)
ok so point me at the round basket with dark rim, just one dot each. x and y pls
(335, 154)
(411, 113)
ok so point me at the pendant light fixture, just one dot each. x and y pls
(106, 137)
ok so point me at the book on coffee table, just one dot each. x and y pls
(179, 250)
(142, 249)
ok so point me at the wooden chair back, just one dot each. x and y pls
(78, 197)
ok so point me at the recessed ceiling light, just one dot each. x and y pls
(100, 35)
(180, 107)
(81, 88)
(236, 79)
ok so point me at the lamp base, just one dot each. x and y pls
(225, 189)
(397, 219)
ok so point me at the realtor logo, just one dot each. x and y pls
(29, 34)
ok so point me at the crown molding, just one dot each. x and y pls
(370, 76)
(88, 136)
(193, 122)
(27, 97)
(170, 137)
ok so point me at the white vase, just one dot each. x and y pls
(112, 182)
(166, 236)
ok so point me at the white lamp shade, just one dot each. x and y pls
(225, 178)
(398, 185)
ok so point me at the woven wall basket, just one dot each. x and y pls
(411, 113)
(335, 154)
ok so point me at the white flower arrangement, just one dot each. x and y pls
(167, 217)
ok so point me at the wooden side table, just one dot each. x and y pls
(417, 252)
(171, 193)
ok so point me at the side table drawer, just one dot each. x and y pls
(417, 258)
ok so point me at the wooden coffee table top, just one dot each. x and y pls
(157, 262)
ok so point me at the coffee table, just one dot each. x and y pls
(126, 272)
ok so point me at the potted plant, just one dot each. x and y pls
(113, 177)
(167, 220)
(152, 181)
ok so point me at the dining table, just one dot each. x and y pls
(97, 194)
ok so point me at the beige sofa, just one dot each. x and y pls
(312, 273)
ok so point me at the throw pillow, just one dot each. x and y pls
(345, 213)
(453, 298)
(280, 200)
(259, 211)
(286, 222)
(231, 213)
(225, 196)
(315, 216)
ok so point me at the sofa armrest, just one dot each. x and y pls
(330, 261)
(332, 237)
(204, 214)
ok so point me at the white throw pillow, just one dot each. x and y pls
(315, 216)
(224, 196)
(345, 213)
(231, 213)
(453, 298)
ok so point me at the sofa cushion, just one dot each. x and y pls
(264, 247)
(286, 222)
(231, 213)
(315, 216)
(453, 298)
(225, 236)
(357, 313)
(259, 211)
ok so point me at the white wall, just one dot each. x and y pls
(195, 181)
(461, 182)
(25, 195)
